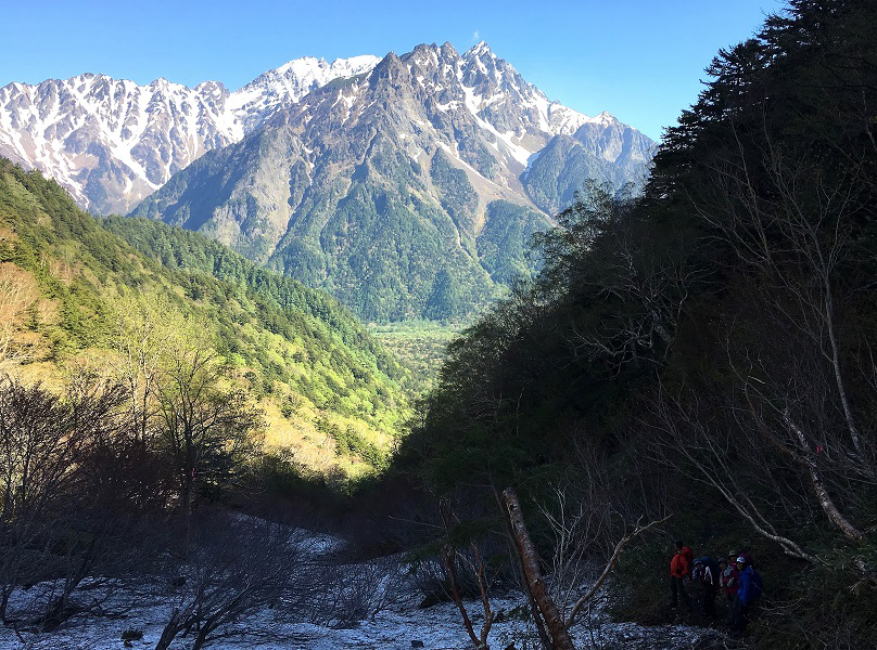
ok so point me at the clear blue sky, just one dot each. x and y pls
(641, 60)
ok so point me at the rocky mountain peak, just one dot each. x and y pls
(448, 50)
(111, 142)
(481, 48)
(386, 66)
(407, 185)
(407, 191)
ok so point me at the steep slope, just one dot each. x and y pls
(398, 190)
(68, 284)
(111, 142)
(608, 152)
(690, 353)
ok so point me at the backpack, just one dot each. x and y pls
(727, 576)
(707, 561)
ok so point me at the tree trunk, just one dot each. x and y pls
(170, 631)
(448, 559)
(5, 593)
(187, 489)
(822, 496)
(560, 639)
(201, 639)
(544, 641)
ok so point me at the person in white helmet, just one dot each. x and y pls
(748, 593)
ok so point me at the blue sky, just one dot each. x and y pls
(641, 60)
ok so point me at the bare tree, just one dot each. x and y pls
(471, 559)
(578, 528)
(714, 452)
(780, 417)
(791, 220)
(48, 499)
(233, 568)
(647, 294)
(37, 445)
(341, 595)
(552, 614)
(202, 423)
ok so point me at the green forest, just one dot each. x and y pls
(704, 352)
(689, 367)
(122, 299)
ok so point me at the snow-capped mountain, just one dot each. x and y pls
(410, 190)
(287, 84)
(111, 142)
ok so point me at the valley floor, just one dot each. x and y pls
(398, 625)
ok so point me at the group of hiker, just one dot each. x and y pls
(732, 578)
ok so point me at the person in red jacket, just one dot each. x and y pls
(680, 569)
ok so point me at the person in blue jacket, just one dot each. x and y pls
(748, 593)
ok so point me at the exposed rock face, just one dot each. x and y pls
(404, 190)
(607, 151)
(111, 142)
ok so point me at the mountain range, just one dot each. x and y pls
(407, 186)
(111, 142)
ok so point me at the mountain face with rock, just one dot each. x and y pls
(410, 190)
(111, 142)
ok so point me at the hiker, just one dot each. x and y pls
(706, 575)
(680, 569)
(723, 566)
(748, 593)
(729, 577)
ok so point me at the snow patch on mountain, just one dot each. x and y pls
(111, 142)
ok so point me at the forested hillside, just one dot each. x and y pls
(78, 300)
(196, 451)
(705, 353)
(407, 192)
